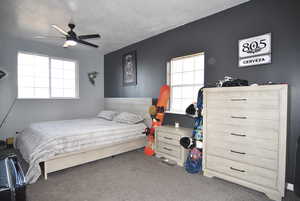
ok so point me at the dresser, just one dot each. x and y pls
(167, 143)
(245, 132)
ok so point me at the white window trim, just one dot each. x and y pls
(169, 80)
(50, 57)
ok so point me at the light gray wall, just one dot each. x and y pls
(27, 111)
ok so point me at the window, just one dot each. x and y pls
(63, 76)
(45, 77)
(185, 77)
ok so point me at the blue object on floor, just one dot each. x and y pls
(193, 165)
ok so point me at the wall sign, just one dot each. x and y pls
(255, 51)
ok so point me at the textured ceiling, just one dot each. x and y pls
(120, 22)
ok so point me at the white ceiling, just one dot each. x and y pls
(120, 22)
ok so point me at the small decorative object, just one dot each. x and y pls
(10, 142)
(92, 76)
(2, 74)
(129, 69)
(255, 51)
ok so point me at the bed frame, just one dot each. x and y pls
(63, 161)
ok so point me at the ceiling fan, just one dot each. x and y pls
(72, 39)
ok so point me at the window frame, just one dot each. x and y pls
(49, 67)
(182, 85)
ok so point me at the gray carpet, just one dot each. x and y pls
(135, 177)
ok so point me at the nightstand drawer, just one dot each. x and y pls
(168, 149)
(169, 138)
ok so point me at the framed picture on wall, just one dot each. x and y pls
(129, 69)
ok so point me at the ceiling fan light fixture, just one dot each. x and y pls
(72, 39)
(71, 43)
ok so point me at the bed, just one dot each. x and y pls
(56, 145)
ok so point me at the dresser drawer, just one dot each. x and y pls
(168, 149)
(245, 121)
(270, 134)
(242, 171)
(240, 150)
(243, 140)
(247, 158)
(243, 99)
(248, 113)
(168, 138)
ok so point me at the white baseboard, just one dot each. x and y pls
(290, 187)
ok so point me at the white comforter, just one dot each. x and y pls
(41, 141)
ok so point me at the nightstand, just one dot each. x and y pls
(167, 143)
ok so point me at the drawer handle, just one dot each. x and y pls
(236, 134)
(237, 169)
(167, 149)
(234, 117)
(238, 99)
(168, 138)
(237, 152)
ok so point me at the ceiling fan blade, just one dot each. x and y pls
(51, 37)
(87, 43)
(60, 30)
(90, 36)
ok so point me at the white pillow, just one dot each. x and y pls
(107, 114)
(128, 118)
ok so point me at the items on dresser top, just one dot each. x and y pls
(245, 136)
(167, 143)
(231, 82)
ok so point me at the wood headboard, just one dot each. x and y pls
(135, 105)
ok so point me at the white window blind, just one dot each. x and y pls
(44, 77)
(185, 77)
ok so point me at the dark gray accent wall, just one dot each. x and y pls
(218, 36)
(27, 111)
